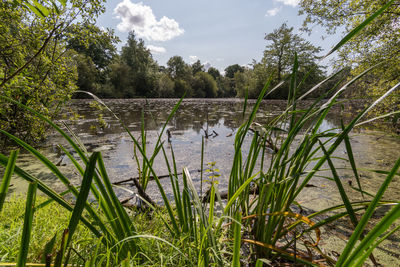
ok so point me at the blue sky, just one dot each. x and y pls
(217, 32)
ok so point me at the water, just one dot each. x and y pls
(222, 117)
(372, 149)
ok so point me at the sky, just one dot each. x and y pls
(217, 32)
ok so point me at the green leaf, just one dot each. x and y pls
(27, 228)
(360, 27)
(237, 239)
(42, 9)
(5, 183)
(35, 10)
(346, 255)
(48, 249)
(63, 2)
(83, 195)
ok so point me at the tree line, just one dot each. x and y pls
(134, 73)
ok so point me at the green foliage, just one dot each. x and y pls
(91, 41)
(251, 80)
(204, 85)
(197, 67)
(47, 221)
(279, 53)
(165, 86)
(96, 52)
(214, 72)
(142, 67)
(35, 65)
(232, 69)
(377, 43)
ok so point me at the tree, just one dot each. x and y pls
(36, 67)
(279, 56)
(120, 81)
(177, 68)
(252, 80)
(96, 51)
(230, 72)
(379, 42)
(232, 69)
(143, 68)
(204, 85)
(181, 74)
(214, 72)
(93, 42)
(197, 67)
(165, 86)
(281, 47)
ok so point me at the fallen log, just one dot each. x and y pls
(151, 178)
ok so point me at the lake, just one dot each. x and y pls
(372, 149)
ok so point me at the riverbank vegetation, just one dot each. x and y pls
(261, 220)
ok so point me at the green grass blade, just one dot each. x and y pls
(237, 240)
(83, 195)
(352, 161)
(5, 183)
(340, 187)
(48, 191)
(63, 246)
(27, 228)
(48, 249)
(212, 205)
(245, 102)
(122, 217)
(369, 244)
(367, 215)
(340, 138)
(52, 167)
(238, 192)
(201, 166)
(360, 27)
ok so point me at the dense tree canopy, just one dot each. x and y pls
(282, 45)
(36, 66)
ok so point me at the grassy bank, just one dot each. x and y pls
(159, 248)
(47, 221)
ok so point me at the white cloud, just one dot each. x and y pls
(292, 3)
(156, 49)
(141, 19)
(193, 59)
(272, 12)
(207, 65)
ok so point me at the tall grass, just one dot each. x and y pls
(265, 222)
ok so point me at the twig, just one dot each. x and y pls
(142, 193)
(151, 178)
(5, 80)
